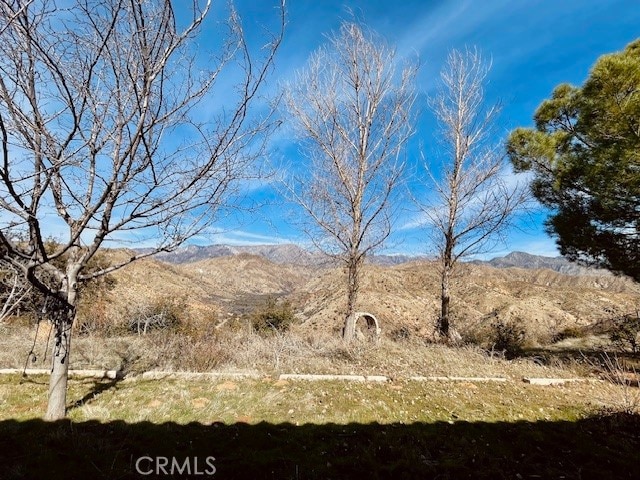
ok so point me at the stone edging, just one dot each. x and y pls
(98, 374)
(554, 381)
(458, 379)
(159, 375)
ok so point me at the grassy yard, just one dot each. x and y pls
(266, 428)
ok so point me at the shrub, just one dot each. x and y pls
(400, 334)
(159, 314)
(195, 350)
(625, 332)
(272, 317)
(508, 337)
(568, 332)
(615, 370)
(95, 320)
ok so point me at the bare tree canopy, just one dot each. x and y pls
(14, 289)
(473, 201)
(103, 133)
(352, 110)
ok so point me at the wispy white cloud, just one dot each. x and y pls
(450, 23)
(240, 237)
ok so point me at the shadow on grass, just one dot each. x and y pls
(99, 386)
(598, 447)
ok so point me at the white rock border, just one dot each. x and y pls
(162, 374)
(312, 377)
(458, 379)
(99, 374)
(552, 381)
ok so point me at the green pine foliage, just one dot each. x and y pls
(584, 153)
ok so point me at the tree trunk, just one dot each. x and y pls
(56, 408)
(445, 299)
(62, 314)
(349, 331)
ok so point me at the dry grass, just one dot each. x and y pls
(625, 374)
(321, 429)
(295, 351)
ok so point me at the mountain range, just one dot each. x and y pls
(291, 254)
(284, 254)
(526, 260)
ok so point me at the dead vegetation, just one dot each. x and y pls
(297, 350)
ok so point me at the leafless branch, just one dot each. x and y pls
(13, 290)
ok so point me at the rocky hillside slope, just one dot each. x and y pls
(403, 296)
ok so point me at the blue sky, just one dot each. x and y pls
(534, 46)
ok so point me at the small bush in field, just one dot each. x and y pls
(400, 334)
(508, 337)
(625, 333)
(272, 317)
(188, 349)
(159, 314)
(95, 320)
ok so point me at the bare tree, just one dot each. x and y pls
(473, 201)
(18, 10)
(352, 109)
(14, 289)
(105, 132)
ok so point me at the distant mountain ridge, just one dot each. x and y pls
(280, 253)
(529, 261)
(292, 254)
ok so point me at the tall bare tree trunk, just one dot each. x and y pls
(62, 313)
(353, 272)
(447, 260)
(354, 111)
(445, 300)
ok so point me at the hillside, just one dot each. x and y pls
(408, 296)
(238, 284)
(285, 254)
(404, 295)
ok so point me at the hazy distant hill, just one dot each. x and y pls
(283, 254)
(526, 260)
(403, 295)
(289, 254)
